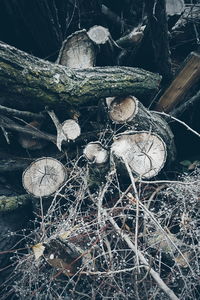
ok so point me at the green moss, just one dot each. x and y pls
(12, 203)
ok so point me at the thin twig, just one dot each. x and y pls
(8, 123)
(168, 239)
(179, 121)
(137, 209)
(113, 272)
(179, 110)
(153, 273)
(169, 182)
(22, 114)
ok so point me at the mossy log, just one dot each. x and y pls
(13, 202)
(26, 77)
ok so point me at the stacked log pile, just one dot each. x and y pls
(88, 151)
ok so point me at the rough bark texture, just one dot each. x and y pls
(28, 77)
(157, 19)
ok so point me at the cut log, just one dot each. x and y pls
(44, 177)
(143, 151)
(186, 78)
(68, 130)
(99, 34)
(131, 111)
(23, 76)
(71, 129)
(98, 157)
(105, 50)
(122, 110)
(174, 7)
(96, 153)
(77, 51)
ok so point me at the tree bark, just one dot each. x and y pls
(27, 77)
(157, 19)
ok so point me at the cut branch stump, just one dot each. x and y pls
(143, 151)
(98, 161)
(130, 111)
(99, 34)
(44, 177)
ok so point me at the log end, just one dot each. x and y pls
(96, 153)
(123, 109)
(44, 177)
(144, 152)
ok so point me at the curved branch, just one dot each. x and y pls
(25, 76)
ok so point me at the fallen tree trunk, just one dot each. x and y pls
(24, 76)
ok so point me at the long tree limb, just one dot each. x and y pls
(31, 78)
(153, 273)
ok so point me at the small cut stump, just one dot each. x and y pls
(147, 142)
(44, 177)
(144, 152)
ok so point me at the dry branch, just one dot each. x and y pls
(153, 273)
(8, 123)
(21, 114)
(133, 38)
(31, 78)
